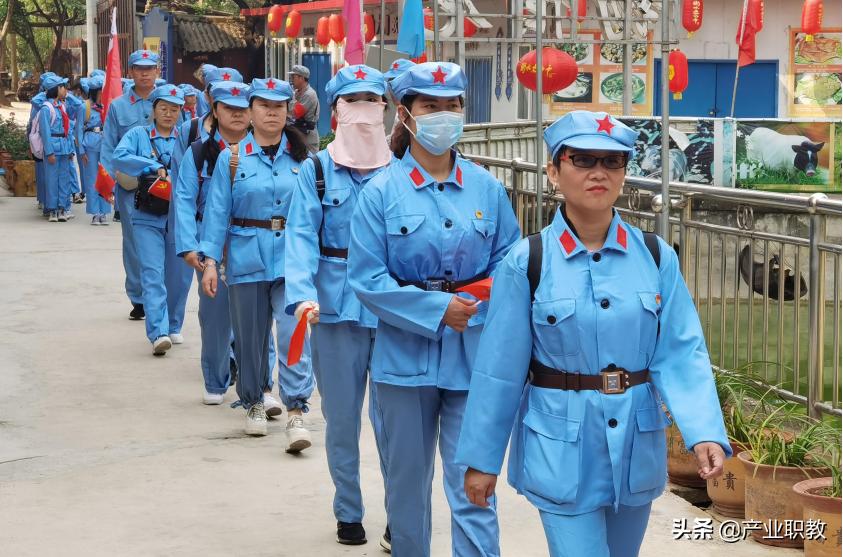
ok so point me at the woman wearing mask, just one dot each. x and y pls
(597, 317)
(89, 121)
(425, 227)
(316, 271)
(229, 118)
(146, 152)
(246, 217)
(54, 127)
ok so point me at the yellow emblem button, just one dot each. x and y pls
(478, 214)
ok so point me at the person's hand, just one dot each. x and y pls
(479, 486)
(51, 159)
(313, 316)
(84, 159)
(459, 312)
(192, 259)
(710, 458)
(209, 279)
(162, 173)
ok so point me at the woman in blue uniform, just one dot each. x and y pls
(246, 217)
(54, 126)
(146, 152)
(230, 116)
(89, 122)
(426, 226)
(605, 331)
(316, 271)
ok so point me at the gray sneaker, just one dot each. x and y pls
(298, 437)
(256, 420)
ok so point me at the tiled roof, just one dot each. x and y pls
(210, 34)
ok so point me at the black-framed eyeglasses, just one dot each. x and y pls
(609, 162)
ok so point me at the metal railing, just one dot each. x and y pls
(763, 268)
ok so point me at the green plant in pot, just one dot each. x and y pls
(785, 447)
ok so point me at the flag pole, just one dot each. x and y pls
(744, 16)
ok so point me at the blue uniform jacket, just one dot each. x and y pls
(125, 113)
(311, 276)
(262, 189)
(133, 156)
(573, 452)
(87, 139)
(409, 227)
(52, 129)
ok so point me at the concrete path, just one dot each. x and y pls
(106, 450)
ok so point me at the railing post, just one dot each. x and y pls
(684, 245)
(816, 233)
(517, 189)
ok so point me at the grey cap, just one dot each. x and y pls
(300, 70)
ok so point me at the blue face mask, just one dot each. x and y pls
(439, 131)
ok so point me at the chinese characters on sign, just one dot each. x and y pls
(732, 531)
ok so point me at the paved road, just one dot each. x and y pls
(106, 450)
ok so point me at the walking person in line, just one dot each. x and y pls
(56, 136)
(89, 121)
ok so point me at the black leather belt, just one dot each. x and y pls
(611, 380)
(275, 223)
(440, 285)
(95, 130)
(58, 135)
(334, 252)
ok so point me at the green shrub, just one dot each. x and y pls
(325, 139)
(13, 139)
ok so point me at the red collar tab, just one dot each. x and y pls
(459, 174)
(568, 242)
(621, 236)
(360, 74)
(153, 132)
(605, 125)
(416, 177)
(438, 75)
(222, 145)
(249, 148)
(132, 99)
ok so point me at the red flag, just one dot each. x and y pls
(297, 340)
(481, 289)
(161, 188)
(113, 83)
(750, 23)
(352, 12)
(104, 184)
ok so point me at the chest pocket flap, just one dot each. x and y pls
(554, 312)
(553, 427)
(403, 224)
(650, 302)
(336, 197)
(244, 174)
(485, 227)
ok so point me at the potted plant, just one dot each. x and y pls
(821, 499)
(783, 449)
(15, 157)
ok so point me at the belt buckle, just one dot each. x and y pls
(613, 382)
(277, 223)
(435, 285)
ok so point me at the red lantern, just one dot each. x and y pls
(678, 73)
(428, 19)
(812, 18)
(368, 27)
(581, 10)
(293, 25)
(692, 16)
(559, 70)
(275, 18)
(468, 28)
(336, 26)
(323, 36)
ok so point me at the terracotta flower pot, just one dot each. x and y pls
(820, 509)
(681, 463)
(770, 500)
(727, 493)
(24, 178)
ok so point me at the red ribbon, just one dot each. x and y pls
(481, 289)
(297, 340)
(65, 119)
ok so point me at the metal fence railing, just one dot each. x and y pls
(764, 270)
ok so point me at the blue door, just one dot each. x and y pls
(709, 92)
(319, 65)
(478, 101)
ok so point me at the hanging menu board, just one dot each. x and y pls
(814, 82)
(600, 83)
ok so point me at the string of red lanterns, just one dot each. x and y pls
(812, 18)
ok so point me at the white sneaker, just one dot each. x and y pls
(95, 220)
(212, 399)
(54, 216)
(177, 338)
(103, 220)
(271, 405)
(256, 420)
(62, 216)
(298, 437)
(161, 345)
(69, 214)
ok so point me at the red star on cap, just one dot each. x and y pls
(360, 74)
(144, 55)
(173, 92)
(438, 75)
(235, 91)
(395, 65)
(270, 84)
(605, 125)
(226, 76)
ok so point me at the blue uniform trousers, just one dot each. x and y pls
(215, 329)
(57, 187)
(601, 533)
(253, 306)
(94, 202)
(124, 201)
(178, 277)
(341, 356)
(40, 187)
(413, 419)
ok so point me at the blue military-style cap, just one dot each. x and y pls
(167, 92)
(397, 68)
(355, 79)
(53, 81)
(83, 84)
(97, 72)
(583, 129)
(43, 77)
(96, 82)
(436, 79)
(145, 58)
(188, 90)
(271, 89)
(206, 69)
(232, 93)
(223, 74)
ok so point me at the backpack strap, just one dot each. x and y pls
(87, 110)
(320, 175)
(534, 263)
(194, 131)
(651, 239)
(233, 161)
(198, 155)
